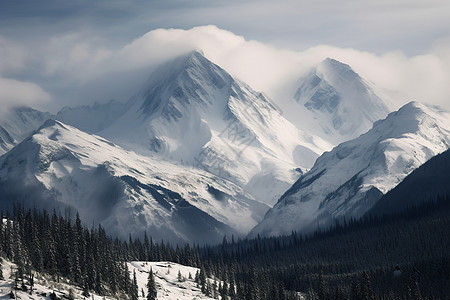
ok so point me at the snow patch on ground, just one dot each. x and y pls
(166, 278)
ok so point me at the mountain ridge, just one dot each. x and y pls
(193, 112)
(350, 179)
(61, 166)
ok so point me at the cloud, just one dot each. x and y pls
(77, 68)
(14, 92)
(17, 93)
(422, 77)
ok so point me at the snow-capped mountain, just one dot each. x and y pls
(17, 124)
(61, 166)
(193, 112)
(350, 179)
(337, 104)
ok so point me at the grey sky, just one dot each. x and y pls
(72, 52)
(376, 26)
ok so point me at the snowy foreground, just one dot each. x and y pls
(166, 277)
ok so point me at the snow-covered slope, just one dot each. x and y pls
(193, 112)
(17, 124)
(337, 104)
(427, 183)
(60, 165)
(350, 179)
(166, 279)
(43, 286)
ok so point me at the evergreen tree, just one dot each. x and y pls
(50, 263)
(86, 289)
(202, 279)
(71, 295)
(179, 276)
(134, 293)
(223, 290)
(151, 286)
(214, 289)
(208, 289)
(196, 278)
(8, 242)
(232, 291)
(1, 270)
(36, 254)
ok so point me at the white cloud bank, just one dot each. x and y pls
(13, 92)
(85, 68)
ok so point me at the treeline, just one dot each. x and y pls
(89, 258)
(402, 256)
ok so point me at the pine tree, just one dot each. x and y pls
(232, 291)
(50, 263)
(196, 278)
(151, 286)
(36, 254)
(8, 243)
(214, 289)
(86, 289)
(223, 290)
(202, 280)
(71, 295)
(2, 237)
(1, 270)
(134, 293)
(208, 288)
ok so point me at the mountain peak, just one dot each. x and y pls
(49, 123)
(337, 65)
(195, 59)
(194, 112)
(331, 67)
(188, 79)
(345, 103)
(413, 117)
(350, 179)
(415, 106)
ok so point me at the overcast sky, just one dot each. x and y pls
(55, 53)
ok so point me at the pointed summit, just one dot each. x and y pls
(342, 104)
(186, 80)
(194, 112)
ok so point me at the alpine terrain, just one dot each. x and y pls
(62, 167)
(347, 181)
(193, 112)
(17, 124)
(336, 103)
(430, 182)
